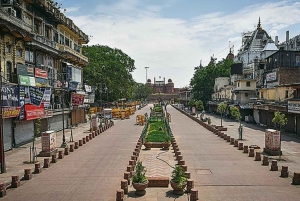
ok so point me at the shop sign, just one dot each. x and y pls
(77, 99)
(9, 112)
(271, 77)
(10, 96)
(40, 73)
(41, 82)
(26, 80)
(34, 112)
(72, 86)
(46, 97)
(88, 88)
(25, 70)
(294, 107)
(36, 95)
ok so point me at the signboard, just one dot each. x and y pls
(294, 107)
(10, 96)
(40, 73)
(77, 99)
(25, 70)
(9, 112)
(41, 82)
(47, 97)
(88, 88)
(48, 141)
(36, 95)
(34, 112)
(73, 85)
(271, 77)
(26, 80)
(272, 139)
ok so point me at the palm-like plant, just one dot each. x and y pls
(178, 176)
(139, 176)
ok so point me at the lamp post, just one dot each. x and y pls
(146, 73)
(2, 156)
(64, 143)
(106, 90)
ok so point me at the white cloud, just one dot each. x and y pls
(173, 47)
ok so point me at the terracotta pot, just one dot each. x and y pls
(176, 189)
(166, 145)
(140, 188)
(148, 145)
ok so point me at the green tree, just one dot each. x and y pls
(222, 109)
(279, 120)
(141, 91)
(176, 100)
(203, 80)
(109, 68)
(192, 103)
(199, 105)
(235, 112)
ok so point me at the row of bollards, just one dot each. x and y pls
(15, 182)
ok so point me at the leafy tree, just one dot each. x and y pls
(141, 91)
(279, 120)
(176, 100)
(192, 103)
(222, 109)
(109, 68)
(199, 105)
(235, 112)
(203, 79)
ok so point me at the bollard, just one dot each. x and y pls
(274, 166)
(87, 138)
(76, 145)
(93, 134)
(265, 161)
(240, 146)
(80, 142)
(15, 181)
(60, 155)
(120, 195)
(90, 136)
(284, 172)
(257, 156)
(188, 175)
(296, 178)
(127, 177)
(225, 136)
(231, 141)
(124, 186)
(71, 147)
(96, 133)
(2, 189)
(179, 157)
(66, 151)
(236, 143)
(133, 158)
(27, 174)
(246, 149)
(53, 158)
(131, 162)
(37, 168)
(46, 163)
(194, 195)
(83, 140)
(190, 185)
(178, 153)
(181, 162)
(137, 150)
(134, 153)
(251, 152)
(129, 169)
(184, 167)
(228, 138)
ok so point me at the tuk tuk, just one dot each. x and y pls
(107, 113)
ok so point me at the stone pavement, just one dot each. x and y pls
(95, 170)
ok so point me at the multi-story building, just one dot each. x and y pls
(41, 67)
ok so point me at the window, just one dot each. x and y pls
(55, 36)
(262, 95)
(67, 42)
(8, 71)
(36, 27)
(246, 94)
(238, 84)
(286, 94)
(47, 33)
(61, 39)
(8, 49)
(248, 84)
(19, 52)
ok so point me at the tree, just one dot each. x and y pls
(222, 109)
(109, 68)
(141, 91)
(203, 79)
(199, 105)
(192, 103)
(235, 112)
(279, 120)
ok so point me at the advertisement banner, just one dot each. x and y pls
(294, 107)
(36, 95)
(73, 85)
(77, 99)
(48, 141)
(9, 112)
(10, 96)
(272, 139)
(40, 73)
(41, 82)
(47, 97)
(25, 70)
(271, 77)
(34, 112)
(26, 80)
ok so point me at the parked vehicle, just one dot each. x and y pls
(107, 113)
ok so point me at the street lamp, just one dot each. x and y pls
(146, 73)
(64, 143)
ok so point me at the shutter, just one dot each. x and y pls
(298, 125)
(24, 132)
(290, 126)
(263, 117)
(7, 134)
(56, 122)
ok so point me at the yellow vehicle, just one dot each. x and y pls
(140, 119)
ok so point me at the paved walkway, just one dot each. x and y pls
(94, 172)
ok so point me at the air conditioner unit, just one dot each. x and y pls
(7, 2)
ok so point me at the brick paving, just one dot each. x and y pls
(95, 171)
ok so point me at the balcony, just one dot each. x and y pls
(45, 41)
(69, 50)
(14, 20)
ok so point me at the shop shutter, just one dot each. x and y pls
(290, 126)
(263, 117)
(56, 122)
(7, 134)
(298, 125)
(24, 132)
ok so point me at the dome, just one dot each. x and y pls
(149, 80)
(169, 80)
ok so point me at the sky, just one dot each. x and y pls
(171, 37)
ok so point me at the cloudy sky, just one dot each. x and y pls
(171, 37)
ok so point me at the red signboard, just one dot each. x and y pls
(34, 112)
(40, 73)
(9, 112)
(77, 99)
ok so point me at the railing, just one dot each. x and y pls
(70, 50)
(45, 41)
(14, 20)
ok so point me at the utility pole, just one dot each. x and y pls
(146, 73)
(2, 156)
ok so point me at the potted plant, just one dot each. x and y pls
(178, 180)
(139, 179)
